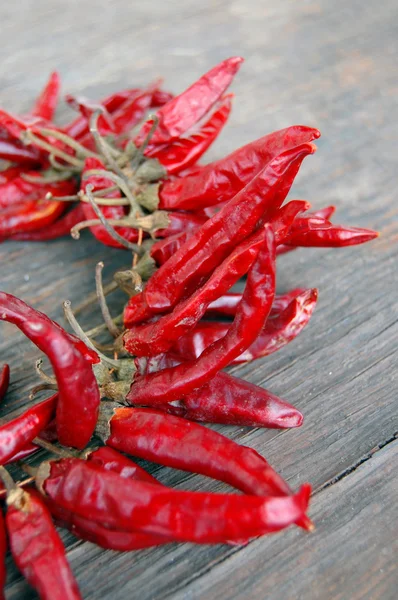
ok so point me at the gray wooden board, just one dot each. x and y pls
(332, 65)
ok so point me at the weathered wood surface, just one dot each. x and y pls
(332, 65)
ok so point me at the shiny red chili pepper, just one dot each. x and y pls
(209, 245)
(4, 380)
(181, 222)
(3, 552)
(328, 235)
(175, 442)
(60, 228)
(221, 180)
(29, 215)
(17, 190)
(48, 434)
(177, 382)
(16, 434)
(184, 516)
(185, 110)
(9, 174)
(15, 151)
(184, 152)
(232, 401)
(277, 332)
(111, 460)
(78, 402)
(46, 103)
(163, 249)
(37, 548)
(226, 305)
(154, 338)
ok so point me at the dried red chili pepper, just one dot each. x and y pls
(181, 222)
(184, 516)
(226, 305)
(16, 434)
(48, 434)
(328, 235)
(3, 552)
(17, 190)
(221, 180)
(60, 228)
(28, 216)
(111, 460)
(163, 249)
(185, 110)
(208, 246)
(78, 402)
(46, 103)
(185, 151)
(4, 380)
(15, 151)
(177, 382)
(154, 338)
(232, 401)
(37, 548)
(277, 332)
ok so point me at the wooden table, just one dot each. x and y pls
(332, 65)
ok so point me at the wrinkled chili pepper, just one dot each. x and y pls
(328, 235)
(37, 548)
(277, 332)
(185, 151)
(60, 228)
(16, 434)
(185, 110)
(3, 552)
(111, 460)
(155, 338)
(46, 103)
(208, 246)
(48, 434)
(4, 380)
(17, 190)
(15, 151)
(177, 382)
(220, 181)
(78, 402)
(184, 516)
(232, 401)
(226, 305)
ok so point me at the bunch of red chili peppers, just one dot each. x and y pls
(131, 178)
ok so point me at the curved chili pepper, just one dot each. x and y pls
(111, 460)
(175, 442)
(4, 380)
(154, 338)
(277, 332)
(330, 236)
(17, 190)
(163, 249)
(185, 516)
(16, 434)
(78, 402)
(232, 401)
(185, 110)
(209, 245)
(15, 151)
(37, 548)
(184, 152)
(221, 180)
(181, 222)
(177, 382)
(226, 305)
(46, 103)
(60, 228)
(3, 552)
(29, 216)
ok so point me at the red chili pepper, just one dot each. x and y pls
(208, 246)
(154, 338)
(17, 190)
(328, 235)
(28, 216)
(221, 180)
(60, 228)
(9, 174)
(226, 305)
(184, 152)
(15, 151)
(46, 103)
(4, 380)
(163, 249)
(277, 332)
(16, 434)
(3, 552)
(48, 434)
(78, 402)
(111, 460)
(185, 110)
(177, 382)
(232, 401)
(37, 548)
(181, 222)
(175, 442)
(184, 516)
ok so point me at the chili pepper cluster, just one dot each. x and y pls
(194, 231)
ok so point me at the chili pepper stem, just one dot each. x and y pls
(112, 328)
(92, 299)
(8, 481)
(41, 387)
(101, 143)
(140, 153)
(53, 449)
(42, 375)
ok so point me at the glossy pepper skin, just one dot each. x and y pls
(60, 228)
(111, 460)
(78, 401)
(177, 382)
(185, 151)
(226, 305)
(175, 442)
(208, 246)
(3, 552)
(37, 548)
(279, 330)
(16, 434)
(4, 380)
(219, 181)
(232, 401)
(184, 111)
(154, 338)
(185, 516)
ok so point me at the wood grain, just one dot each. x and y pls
(331, 65)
